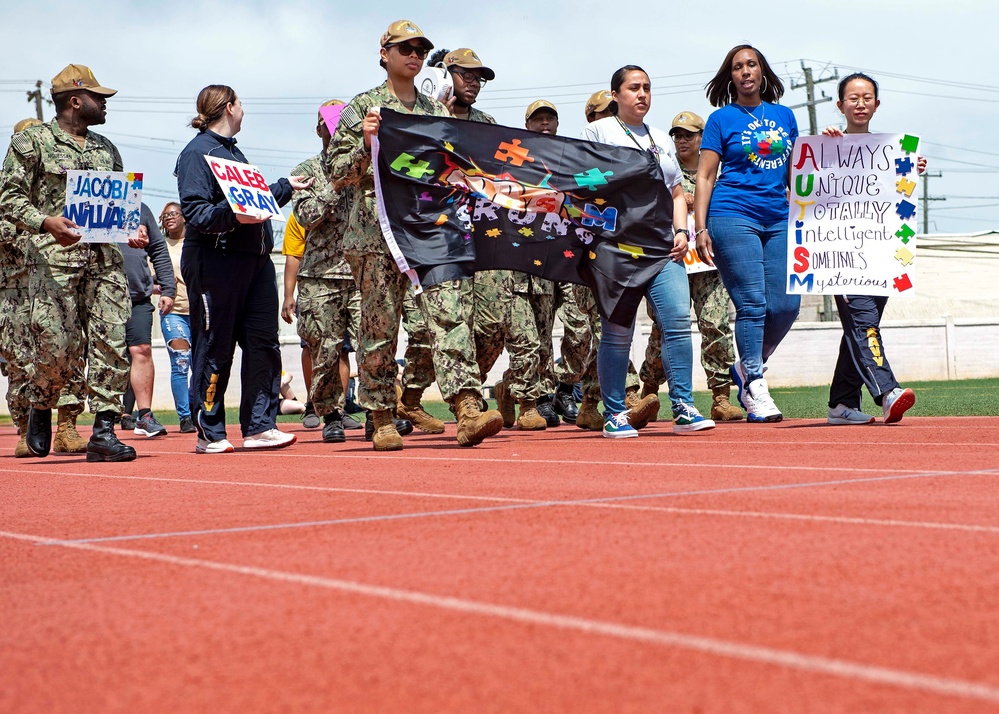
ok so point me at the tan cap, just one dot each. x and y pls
(540, 104)
(598, 101)
(467, 59)
(688, 121)
(404, 31)
(328, 103)
(77, 76)
(24, 124)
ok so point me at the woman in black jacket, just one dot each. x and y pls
(231, 284)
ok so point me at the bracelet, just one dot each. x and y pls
(681, 230)
(703, 230)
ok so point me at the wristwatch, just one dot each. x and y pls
(682, 230)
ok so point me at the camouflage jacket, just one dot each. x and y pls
(347, 162)
(33, 187)
(479, 116)
(13, 267)
(323, 214)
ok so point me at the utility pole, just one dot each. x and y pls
(813, 129)
(36, 97)
(927, 198)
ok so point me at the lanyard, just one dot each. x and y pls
(652, 142)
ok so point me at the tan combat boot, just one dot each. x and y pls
(649, 389)
(410, 408)
(589, 416)
(722, 409)
(505, 404)
(473, 425)
(530, 419)
(642, 409)
(67, 439)
(386, 436)
(21, 449)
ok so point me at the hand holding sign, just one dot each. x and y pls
(62, 229)
(245, 189)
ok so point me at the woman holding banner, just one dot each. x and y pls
(668, 292)
(231, 283)
(862, 358)
(741, 217)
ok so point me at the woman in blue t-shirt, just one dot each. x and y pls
(741, 216)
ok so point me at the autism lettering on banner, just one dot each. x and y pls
(104, 204)
(853, 208)
(245, 188)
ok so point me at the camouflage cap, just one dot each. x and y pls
(403, 31)
(78, 76)
(24, 124)
(467, 59)
(539, 104)
(598, 102)
(688, 121)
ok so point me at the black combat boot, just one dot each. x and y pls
(565, 403)
(546, 408)
(39, 436)
(104, 445)
(333, 428)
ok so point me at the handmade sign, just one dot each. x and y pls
(853, 205)
(245, 188)
(692, 261)
(104, 204)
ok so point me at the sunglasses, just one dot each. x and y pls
(407, 49)
(170, 214)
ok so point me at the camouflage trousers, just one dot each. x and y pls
(77, 315)
(324, 320)
(419, 370)
(575, 343)
(710, 301)
(448, 309)
(507, 319)
(589, 382)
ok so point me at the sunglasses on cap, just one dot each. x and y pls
(407, 49)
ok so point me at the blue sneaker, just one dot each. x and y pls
(738, 375)
(687, 419)
(616, 426)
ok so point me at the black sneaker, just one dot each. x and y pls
(333, 429)
(310, 420)
(546, 408)
(187, 425)
(564, 404)
(127, 422)
(350, 422)
(147, 426)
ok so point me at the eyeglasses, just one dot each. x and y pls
(854, 101)
(684, 136)
(171, 214)
(470, 77)
(407, 49)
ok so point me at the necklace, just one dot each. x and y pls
(652, 142)
(763, 114)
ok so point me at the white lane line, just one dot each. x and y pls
(756, 654)
(512, 507)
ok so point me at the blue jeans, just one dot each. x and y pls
(752, 261)
(669, 295)
(178, 327)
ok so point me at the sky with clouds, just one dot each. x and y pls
(285, 58)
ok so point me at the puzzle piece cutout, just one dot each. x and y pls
(904, 185)
(903, 167)
(426, 196)
(515, 245)
(752, 157)
(514, 153)
(599, 201)
(773, 137)
(526, 232)
(568, 254)
(761, 136)
(409, 164)
(449, 146)
(905, 209)
(909, 143)
(537, 262)
(903, 283)
(493, 232)
(764, 148)
(468, 236)
(905, 233)
(633, 250)
(441, 219)
(904, 256)
(747, 149)
(777, 147)
(593, 256)
(592, 178)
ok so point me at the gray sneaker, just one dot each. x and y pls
(147, 426)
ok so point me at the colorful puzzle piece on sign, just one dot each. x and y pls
(441, 219)
(569, 254)
(903, 283)
(592, 178)
(493, 232)
(903, 167)
(904, 185)
(526, 232)
(409, 164)
(426, 196)
(904, 256)
(514, 153)
(905, 233)
(909, 143)
(633, 250)
(905, 210)
(537, 262)
(515, 245)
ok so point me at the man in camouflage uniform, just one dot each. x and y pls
(707, 293)
(446, 306)
(78, 292)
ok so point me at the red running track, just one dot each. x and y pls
(755, 568)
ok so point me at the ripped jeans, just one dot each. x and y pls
(178, 327)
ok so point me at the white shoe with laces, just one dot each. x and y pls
(841, 415)
(896, 403)
(222, 446)
(270, 439)
(760, 407)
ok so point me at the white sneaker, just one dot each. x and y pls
(759, 404)
(845, 416)
(896, 403)
(270, 439)
(222, 446)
